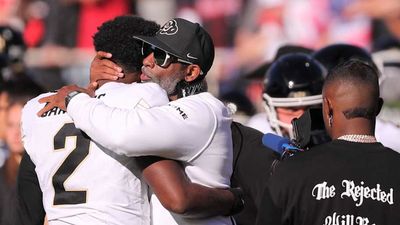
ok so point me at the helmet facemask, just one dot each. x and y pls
(293, 81)
(271, 103)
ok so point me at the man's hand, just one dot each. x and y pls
(58, 100)
(102, 68)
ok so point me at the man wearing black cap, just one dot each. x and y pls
(194, 128)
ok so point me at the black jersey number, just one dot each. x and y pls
(62, 196)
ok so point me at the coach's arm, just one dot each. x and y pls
(179, 195)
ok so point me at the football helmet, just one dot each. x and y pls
(12, 49)
(12, 46)
(335, 54)
(293, 81)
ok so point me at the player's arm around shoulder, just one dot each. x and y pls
(182, 127)
(196, 121)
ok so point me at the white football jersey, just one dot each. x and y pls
(83, 183)
(260, 122)
(194, 130)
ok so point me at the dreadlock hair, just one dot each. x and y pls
(116, 37)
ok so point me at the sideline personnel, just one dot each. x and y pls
(352, 180)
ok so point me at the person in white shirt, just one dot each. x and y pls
(86, 183)
(194, 128)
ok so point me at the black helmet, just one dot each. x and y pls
(293, 80)
(335, 54)
(260, 72)
(12, 47)
(294, 75)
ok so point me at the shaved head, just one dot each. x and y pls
(355, 85)
(351, 93)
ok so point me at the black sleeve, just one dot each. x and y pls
(252, 163)
(30, 206)
(250, 157)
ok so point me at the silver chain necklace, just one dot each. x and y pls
(359, 138)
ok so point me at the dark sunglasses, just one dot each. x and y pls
(161, 57)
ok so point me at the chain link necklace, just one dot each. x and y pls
(359, 138)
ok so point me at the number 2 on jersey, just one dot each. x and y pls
(62, 196)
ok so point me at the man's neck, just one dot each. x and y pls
(356, 126)
(102, 82)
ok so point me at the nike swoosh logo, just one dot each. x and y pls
(190, 57)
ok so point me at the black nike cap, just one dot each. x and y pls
(185, 40)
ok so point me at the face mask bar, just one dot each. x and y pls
(271, 103)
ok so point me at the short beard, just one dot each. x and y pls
(168, 83)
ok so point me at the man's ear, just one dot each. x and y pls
(327, 110)
(380, 104)
(192, 72)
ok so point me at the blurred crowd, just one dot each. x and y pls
(45, 44)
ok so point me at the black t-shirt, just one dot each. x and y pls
(251, 169)
(30, 206)
(338, 183)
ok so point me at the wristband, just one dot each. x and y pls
(238, 202)
(70, 96)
